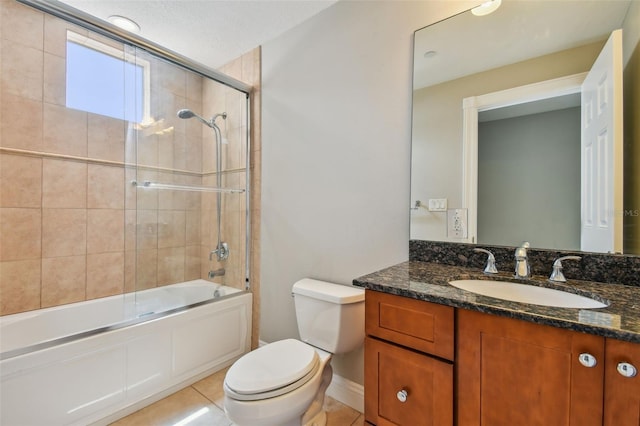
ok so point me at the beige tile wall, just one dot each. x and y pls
(72, 227)
(248, 68)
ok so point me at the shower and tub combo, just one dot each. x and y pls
(97, 360)
(119, 353)
(142, 317)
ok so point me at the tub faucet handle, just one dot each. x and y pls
(557, 275)
(491, 261)
(221, 252)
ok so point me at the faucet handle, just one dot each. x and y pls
(522, 250)
(556, 273)
(491, 261)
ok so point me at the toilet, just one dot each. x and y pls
(283, 383)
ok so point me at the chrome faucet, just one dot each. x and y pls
(221, 252)
(557, 275)
(522, 263)
(491, 261)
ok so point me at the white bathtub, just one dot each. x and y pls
(94, 361)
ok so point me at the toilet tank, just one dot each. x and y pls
(330, 316)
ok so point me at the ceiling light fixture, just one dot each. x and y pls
(124, 23)
(486, 7)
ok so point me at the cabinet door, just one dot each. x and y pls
(427, 381)
(622, 394)
(512, 372)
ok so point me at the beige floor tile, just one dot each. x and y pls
(211, 387)
(359, 421)
(339, 414)
(208, 393)
(186, 406)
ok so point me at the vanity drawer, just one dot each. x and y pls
(424, 326)
(404, 387)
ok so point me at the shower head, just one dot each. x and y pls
(187, 113)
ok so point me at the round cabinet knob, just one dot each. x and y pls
(627, 370)
(588, 360)
(402, 395)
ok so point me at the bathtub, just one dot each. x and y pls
(95, 361)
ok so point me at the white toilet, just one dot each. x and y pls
(283, 383)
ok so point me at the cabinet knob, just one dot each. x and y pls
(587, 360)
(627, 370)
(402, 395)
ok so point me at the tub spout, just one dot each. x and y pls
(216, 273)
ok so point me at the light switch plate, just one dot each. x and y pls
(437, 204)
(457, 223)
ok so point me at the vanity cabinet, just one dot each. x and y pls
(621, 386)
(408, 361)
(512, 372)
(423, 359)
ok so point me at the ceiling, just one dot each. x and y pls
(211, 32)
(518, 30)
(214, 32)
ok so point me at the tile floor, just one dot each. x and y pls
(201, 404)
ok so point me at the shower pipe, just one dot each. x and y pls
(222, 248)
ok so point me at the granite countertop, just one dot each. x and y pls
(430, 282)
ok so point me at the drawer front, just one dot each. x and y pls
(405, 387)
(424, 326)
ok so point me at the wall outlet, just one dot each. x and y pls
(437, 204)
(457, 223)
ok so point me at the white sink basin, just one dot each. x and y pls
(524, 293)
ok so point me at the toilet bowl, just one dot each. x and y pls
(279, 396)
(284, 383)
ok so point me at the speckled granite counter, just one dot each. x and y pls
(430, 282)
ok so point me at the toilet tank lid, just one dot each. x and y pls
(330, 292)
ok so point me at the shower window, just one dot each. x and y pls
(104, 80)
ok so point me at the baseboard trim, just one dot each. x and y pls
(347, 392)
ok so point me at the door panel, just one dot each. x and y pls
(602, 151)
(514, 372)
(622, 394)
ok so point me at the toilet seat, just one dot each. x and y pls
(272, 370)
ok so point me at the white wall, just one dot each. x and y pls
(336, 132)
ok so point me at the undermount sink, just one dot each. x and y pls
(525, 293)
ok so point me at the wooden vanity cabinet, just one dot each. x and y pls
(512, 372)
(408, 361)
(507, 371)
(621, 393)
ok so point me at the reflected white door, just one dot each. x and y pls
(602, 149)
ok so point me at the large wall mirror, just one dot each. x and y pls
(499, 119)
